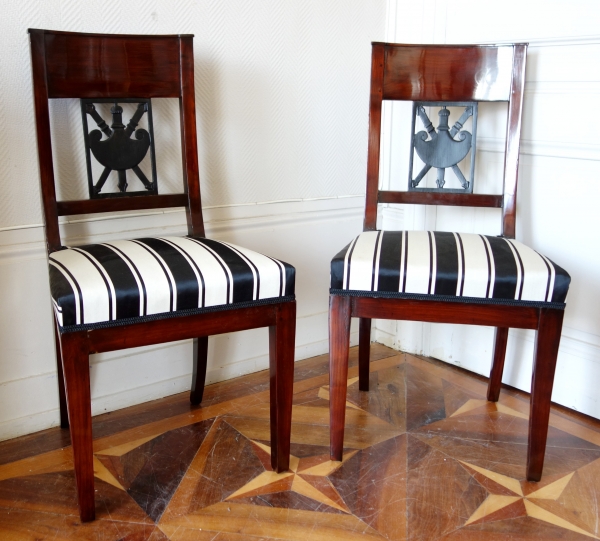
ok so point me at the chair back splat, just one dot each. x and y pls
(117, 69)
(137, 292)
(459, 75)
(442, 276)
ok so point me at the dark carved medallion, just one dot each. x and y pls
(120, 147)
(443, 148)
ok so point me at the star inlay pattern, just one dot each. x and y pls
(426, 456)
(500, 505)
(307, 477)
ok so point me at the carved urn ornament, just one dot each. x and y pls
(123, 147)
(443, 148)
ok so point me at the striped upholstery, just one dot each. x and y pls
(456, 265)
(157, 277)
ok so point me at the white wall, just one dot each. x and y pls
(559, 184)
(282, 101)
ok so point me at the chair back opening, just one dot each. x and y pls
(434, 78)
(116, 77)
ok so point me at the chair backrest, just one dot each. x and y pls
(453, 75)
(115, 68)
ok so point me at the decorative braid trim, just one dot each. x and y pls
(444, 298)
(176, 314)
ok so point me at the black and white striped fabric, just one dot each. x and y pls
(100, 283)
(393, 263)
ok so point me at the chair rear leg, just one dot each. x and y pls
(199, 371)
(339, 344)
(500, 340)
(364, 353)
(76, 368)
(282, 343)
(62, 397)
(544, 364)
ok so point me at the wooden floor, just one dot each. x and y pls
(426, 457)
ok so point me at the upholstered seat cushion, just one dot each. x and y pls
(156, 277)
(447, 265)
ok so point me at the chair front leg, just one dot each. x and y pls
(282, 342)
(500, 340)
(339, 348)
(364, 353)
(62, 397)
(76, 369)
(544, 364)
(199, 372)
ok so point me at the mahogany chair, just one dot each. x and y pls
(447, 277)
(130, 293)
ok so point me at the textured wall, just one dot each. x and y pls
(281, 90)
(558, 192)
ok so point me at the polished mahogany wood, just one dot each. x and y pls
(44, 145)
(76, 369)
(180, 328)
(62, 395)
(282, 337)
(340, 312)
(364, 353)
(447, 73)
(377, 65)
(200, 358)
(105, 66)
(189, 143)
(436, 198)
(547, 340)
(134, 202)
(547, 321)
(513, 132)
(500, 341)
(70, 65)
(432, 311)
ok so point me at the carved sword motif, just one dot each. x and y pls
(439, 148)
(119, 152)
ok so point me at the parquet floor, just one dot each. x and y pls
(426, 457)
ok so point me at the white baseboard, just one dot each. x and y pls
(27, 241)
(577, 371)
(385, 338)
(13, 428)
(47, 386)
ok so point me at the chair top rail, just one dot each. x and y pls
(447, 72)
(105, 66)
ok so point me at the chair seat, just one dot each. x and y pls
(440, 264)
(157, 277)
